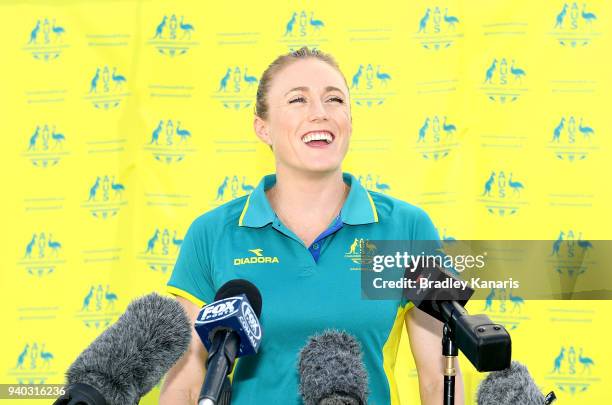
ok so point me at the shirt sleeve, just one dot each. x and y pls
(191, 277)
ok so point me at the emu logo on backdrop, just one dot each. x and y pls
(372, 182)
(107, 88)
(504, 80)
(503, 193)
(436, 138)
(360, 252)
(571, 139)
(172, 35)
(437, 29)
(98, 307)
(46, 40)
(161, 250)
(371, 85)
(169, 141)
(232, 188)
(45, 146)
(304, 28)
(34, 364)
(42, 254)
(575, 25)
(568, 254)
(257, 257)
(572, 370)
(105, 197)
(237, 88)
(505, 307)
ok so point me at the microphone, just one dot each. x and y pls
(229, 328)
(512, 386)
(130, 357)
(331, 371)
(487, 345)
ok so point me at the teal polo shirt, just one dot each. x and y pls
(305, 289)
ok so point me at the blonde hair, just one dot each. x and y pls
(261, 106)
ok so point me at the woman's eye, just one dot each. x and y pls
(300, 99)
(338, 99)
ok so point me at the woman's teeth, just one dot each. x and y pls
(318, 136)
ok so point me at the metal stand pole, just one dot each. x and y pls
(450, 352)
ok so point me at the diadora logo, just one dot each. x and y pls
(368, 182)
(575, 25)
(236, 89)
(304, 28)
(43, 253)
(169, 142)
(162, 248)
(569, 254)
(45, 146)
(360, 252)
(438, 30)
(370, 86)
(105, 197)
(173, 36)
(505, 307)
(234, 187)
(436, 138)
(504, 80)
(257, 258)
(107, 88)
(46, 40)
(502, 194)
(219, 310)
(98, 308)
(34, 364)
(572, 139)
(569, 376)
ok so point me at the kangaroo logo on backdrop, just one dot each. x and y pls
(34, 364)
(169, 142)
(437, 30)
(360, 252)
(257, 257)
(107, 88)
(571, 142)
(502, 194)
(505, 307)
(370, 86)
(303, 29)
(105, 197)
(575, 25)
(436, 138)
(504, 80)
(162, 248)
(569, 376)
(42, 255)
(236, 89)
(173, 36)
(98, 307)
(45, 146)
(46, 40)
(236, 189)
(568, 254)
(368, 182)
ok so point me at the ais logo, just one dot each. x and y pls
(259, 258)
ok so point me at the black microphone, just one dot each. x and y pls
(487, 345)
(512, 386)
(331, 371)
(130, 357)
(229, 328)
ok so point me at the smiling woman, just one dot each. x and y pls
(296, 237)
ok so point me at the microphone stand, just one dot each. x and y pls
(450, 352)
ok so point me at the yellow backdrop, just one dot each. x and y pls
(124, 120)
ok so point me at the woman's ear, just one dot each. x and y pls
(261, 130)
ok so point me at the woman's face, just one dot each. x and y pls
(309, 117)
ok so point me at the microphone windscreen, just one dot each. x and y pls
(511, 386)
(130, 357)
(236, 287)
(330, 368)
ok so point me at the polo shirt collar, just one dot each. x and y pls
(358, 209)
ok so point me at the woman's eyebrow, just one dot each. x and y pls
(304, 88)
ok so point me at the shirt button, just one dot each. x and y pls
(315, 246)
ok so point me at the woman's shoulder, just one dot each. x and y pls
(389, 207)
(221, 216)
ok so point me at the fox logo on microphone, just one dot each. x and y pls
(234, 313)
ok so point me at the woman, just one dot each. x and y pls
(304, 224)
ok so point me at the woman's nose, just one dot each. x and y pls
(317, 111)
